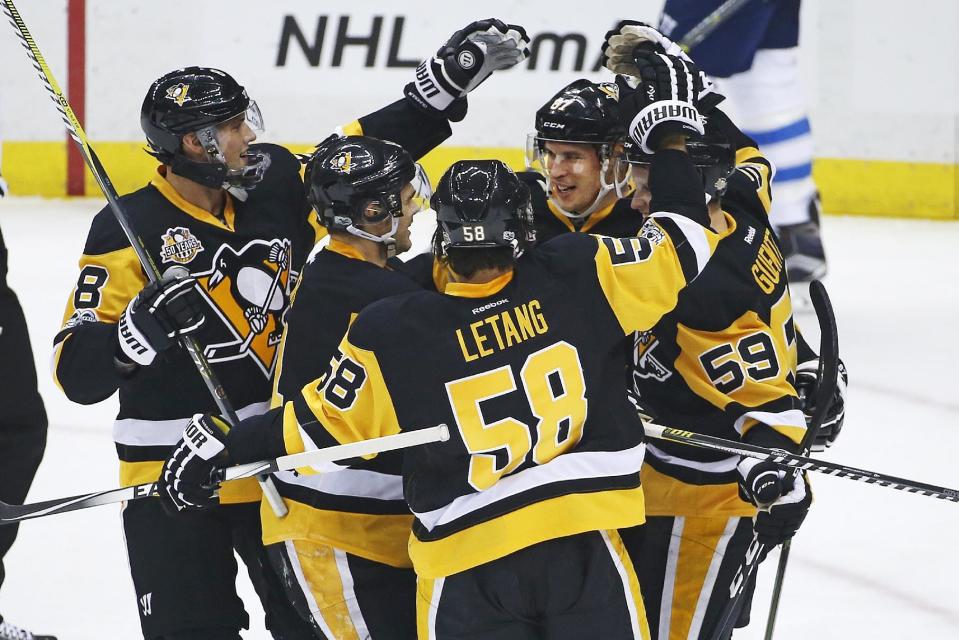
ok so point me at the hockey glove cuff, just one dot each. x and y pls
(162, 312)
(185, 481)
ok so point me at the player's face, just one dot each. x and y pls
(410, 208)
(234, 137)
(574, 174)
(641, 196)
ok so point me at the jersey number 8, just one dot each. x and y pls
(552, 380)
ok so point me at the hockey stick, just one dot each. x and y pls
(828, 376)
(10, 513)
(710, 23)
(146, 260)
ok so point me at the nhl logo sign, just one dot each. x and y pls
(179, 246)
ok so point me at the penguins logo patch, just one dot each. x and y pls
(342, 162)
(645, 364)
(179, 246)
(609, 88)
(250, 289)
(179, 94)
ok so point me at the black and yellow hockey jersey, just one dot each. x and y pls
(617, 220)
(723, 361)
(246, 264)
(543, 442)
(360, 510)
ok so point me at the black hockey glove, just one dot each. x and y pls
(807, 385)
(158, 315)
(664, 103)
(470, 56)
(629, 38)
(783, 499)
(186, 482)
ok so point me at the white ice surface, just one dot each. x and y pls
(869, 562)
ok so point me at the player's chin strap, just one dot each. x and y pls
(604, 188)
(388, 239)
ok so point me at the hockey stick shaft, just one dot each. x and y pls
(76, 132)
(829, 378)
(710, 23)
(10, 514)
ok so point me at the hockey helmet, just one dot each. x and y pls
(196, 100)
(354, 181)
(482, 204)
(583, 112)
(712, 155)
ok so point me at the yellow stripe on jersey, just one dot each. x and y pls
(554, 518)
(106, 284)
(328, 588)
(426, 592)
(642, 279)
(752, 163)
(385, 538)
(667, 496)
(353, 404)
(160, 182)
(55, 361)
(319, 231)
(616, 545)
(594, 218)
(233, 492)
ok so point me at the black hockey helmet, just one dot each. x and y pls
(482, 204)
(196, 100)
(712, 154)
(583, 112)
(357, 180)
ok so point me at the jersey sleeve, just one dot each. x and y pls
(83, 351)
(349, 403)
(750, 184)
(404, 124)
(641, 277)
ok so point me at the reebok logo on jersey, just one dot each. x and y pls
(489, 306)
(179, 246)
(750, 235)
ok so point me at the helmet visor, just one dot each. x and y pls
(422, 191)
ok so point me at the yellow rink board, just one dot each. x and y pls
(848, 186)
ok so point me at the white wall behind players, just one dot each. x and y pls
(880, 75)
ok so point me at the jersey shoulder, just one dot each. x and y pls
(106, 234)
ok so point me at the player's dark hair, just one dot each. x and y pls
(467, 262)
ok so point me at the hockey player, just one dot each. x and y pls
(23, 421)
(345, 538)
(577, 149)
(512, 536)
(236, 218)
(723, 362)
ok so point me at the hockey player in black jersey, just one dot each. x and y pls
(234, 216)
(345, 537)
(513, 535)
(723, 362)
(577, 149)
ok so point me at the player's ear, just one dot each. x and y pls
(191, 146)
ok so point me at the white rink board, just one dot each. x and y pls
(879, 79)
(869, 562)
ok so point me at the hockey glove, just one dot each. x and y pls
(630, 38)
(158, 315)
(185, 482)
(664, 103)
(807, 385)
(783, 499)
(470, 56)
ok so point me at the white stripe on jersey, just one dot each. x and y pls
(719, 466)
(434, 606)
(305, 589)
(135, 432)
(695, 234)
(627, 591)
(569, 466)
(669, 580)
(791, 418)
(349, 595)
(711, 574)
(358, 483)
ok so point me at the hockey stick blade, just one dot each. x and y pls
(11, 513)
(785, 459)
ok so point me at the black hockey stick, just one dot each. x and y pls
(828, 375)
(149, 266)
(11, 513)
(710, 23)
(829, 378)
